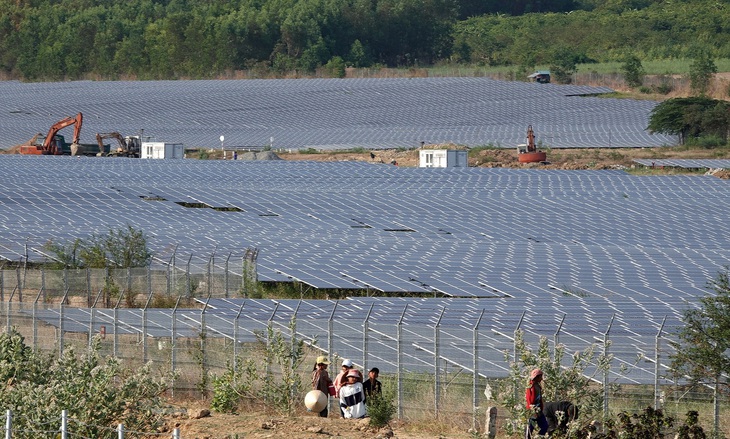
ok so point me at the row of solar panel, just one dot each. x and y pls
(332, 114)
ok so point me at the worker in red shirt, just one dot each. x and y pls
(533, 396)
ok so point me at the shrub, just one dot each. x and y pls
(96, 392)
(381, 407)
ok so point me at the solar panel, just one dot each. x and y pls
(332, 113)
(685, 163)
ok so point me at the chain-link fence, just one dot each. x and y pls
(436, 370)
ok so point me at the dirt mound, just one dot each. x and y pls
(262, 155)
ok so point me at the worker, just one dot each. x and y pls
(533, 397)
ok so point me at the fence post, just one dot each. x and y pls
(8, 308)
(60, 324)
(605, 373)
(657, 355)
(235, 335)
(149, 278)
(20, 285)
(64, 424)
(365, 329)
(35, 320)
(436, 358)
(187, 276)
(330, 330)
(399, 361)
(88, 287)
(43, 284)
(129, 280)
(269, 330)
(2, 284)
(211, 261)
(145, 350)
(176, 433)
(556, 341)
(92, 313)
(8, 424)
(226, 275)
(203, 335)
(515, 384)
(65, 279)
(115, 349)
(120, 431)
(475, 365)
(173, 346)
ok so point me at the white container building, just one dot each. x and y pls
(162, 150)
(443, 158)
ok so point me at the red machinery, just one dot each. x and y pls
(52, 143)
(530, 154)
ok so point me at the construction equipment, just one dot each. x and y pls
(54, 143)
(129, 146)
(528, 153)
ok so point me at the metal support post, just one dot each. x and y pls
(399, 351)
(436, 359)
(657, 355)
(606, 344)
(475, 368)
(365, 330)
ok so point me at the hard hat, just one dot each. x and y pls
(347, 363)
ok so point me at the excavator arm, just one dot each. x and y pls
(122, 144)
(49, 144)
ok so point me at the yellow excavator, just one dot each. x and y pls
(129, 146)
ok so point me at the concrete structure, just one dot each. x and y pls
(443, 158)
(162, 150)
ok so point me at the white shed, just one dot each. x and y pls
(162, 150)
(443, 158)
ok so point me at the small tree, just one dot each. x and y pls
(702, 351)
(701, 71)
(633, 71)
(690, 117)
(562, 382)
(126, 247)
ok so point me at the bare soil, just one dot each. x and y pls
(569, 159)
(198, 423)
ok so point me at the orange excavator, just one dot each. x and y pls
(528, 153)
(53, 143)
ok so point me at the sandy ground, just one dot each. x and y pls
(305, 425)
(570, 159)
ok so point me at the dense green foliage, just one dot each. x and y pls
(691, 118)
(98, 393)
(154, 39)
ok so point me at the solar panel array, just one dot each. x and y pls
(332, 113)
(459, 232)
(581, 244)
(578, 323)
(685, 163)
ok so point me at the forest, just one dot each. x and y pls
(49, 40)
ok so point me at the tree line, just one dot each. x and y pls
(167, 39)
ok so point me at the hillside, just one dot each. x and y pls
(49, 40)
